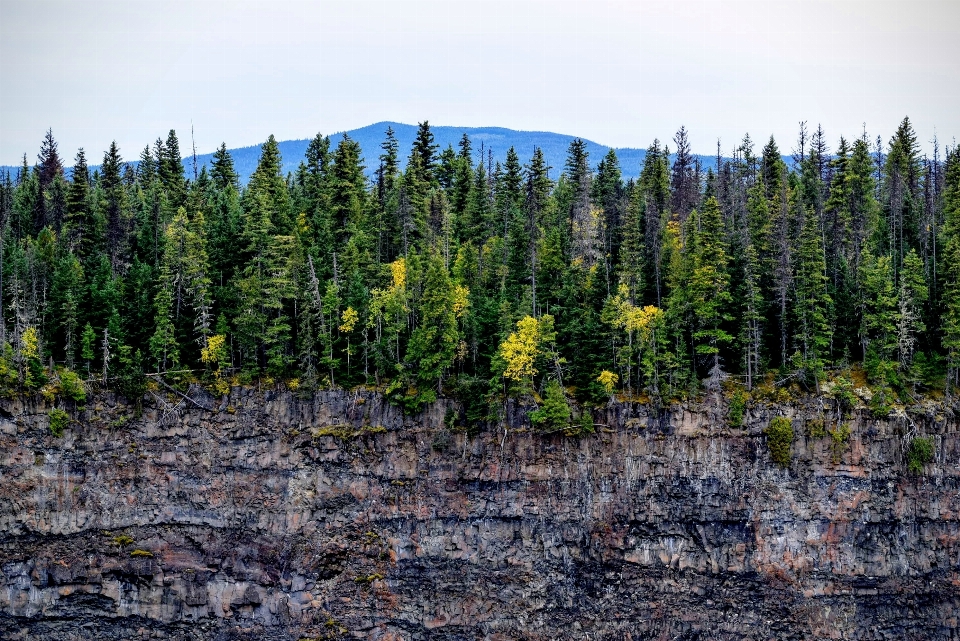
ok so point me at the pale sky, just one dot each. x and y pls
(620, 73)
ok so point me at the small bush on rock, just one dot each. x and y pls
(738, 405)
(779, 437)
(58, 421)
(839, 437)
(71, 386)
(919, 454)
(554, 414)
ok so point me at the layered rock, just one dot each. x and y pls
(265, 516)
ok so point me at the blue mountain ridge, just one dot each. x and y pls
(495, 139)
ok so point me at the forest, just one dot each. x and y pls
(458, 277)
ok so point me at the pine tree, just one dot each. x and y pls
(49, 164)
(812, 303)
(347, 190)
(911, 299)
(709, 282)
(684, 187)
(536, 201)
(147, 170)
(479, 220)
(583, 218)
(949, 270)
(902, 200)
(171, 169)
(163, 342)
(878, 305)
(425, 150)
(87, 341)
(609, 197)
(222, 170)
(434, 341)
(115, 208)
(654, 200)
(267, 189)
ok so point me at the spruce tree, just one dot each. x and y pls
(171, 169)
(709, 283)
(949, 270)
(812, 304)
(433, 342)
(222, 170)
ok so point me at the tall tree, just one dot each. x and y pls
(684, 187)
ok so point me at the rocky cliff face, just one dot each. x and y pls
(270, 517)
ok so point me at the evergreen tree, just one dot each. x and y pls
(49, 164)
(949, 270)
(222, 171)
(878, 305)
(114, 208)
(170, 168)
(267, 188)
(902, 200)
(147, 170)
(684, 186)
(583, 218)
(911, 299)
(812, 304)
(433, 342)
(709, 283)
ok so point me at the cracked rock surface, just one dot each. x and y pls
(272, 517)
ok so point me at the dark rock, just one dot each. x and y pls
(278, 517)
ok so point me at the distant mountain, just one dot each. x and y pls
(496, 139)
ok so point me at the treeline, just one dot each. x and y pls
(481, 280)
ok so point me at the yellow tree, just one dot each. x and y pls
(519, 353)
(639, 325)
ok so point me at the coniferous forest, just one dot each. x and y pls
(451, 275)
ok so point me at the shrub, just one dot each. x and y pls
(122, 540)
(779, 437)
(880, 404)
(58, 421)
(839, 437)
(815, 428)
(554, 414)
(843, 393)
(441, 441)
(472, 394)
(738, 405)
(71, 386)
(131, 381)
(142, 553)
(919, 454)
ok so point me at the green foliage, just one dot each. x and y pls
(919, 453)
(59, 420)
(72, 386)
(736, 408)
(554, 413)
(473, 396)
(8, 369)
(843, 393)
(464, 277)
(839, 438)
(122, 540)
(881, 403)
(816, 428)
(779, 437)
(130, 378)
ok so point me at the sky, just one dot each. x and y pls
(620, 73)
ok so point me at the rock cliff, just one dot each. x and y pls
(265, 516)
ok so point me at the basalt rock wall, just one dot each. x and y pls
(266, 516)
